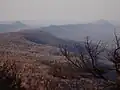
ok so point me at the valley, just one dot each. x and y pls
(37, 53)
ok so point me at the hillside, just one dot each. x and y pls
(36, 54)
(15, 44)
(42, 37)
(79, 31)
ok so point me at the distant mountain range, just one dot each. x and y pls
(99, 30)
(11, 26)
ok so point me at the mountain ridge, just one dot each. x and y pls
(78, 32)
(12, 26)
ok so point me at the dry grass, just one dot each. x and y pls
(58, 76)
(38, 69)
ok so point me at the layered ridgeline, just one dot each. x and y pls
(42, 37)
(75, 32)
(99, 30)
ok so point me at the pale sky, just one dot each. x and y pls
(76, 10)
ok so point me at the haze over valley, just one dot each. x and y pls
(76, 32)
(59, 44)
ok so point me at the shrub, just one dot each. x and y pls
(9, 78)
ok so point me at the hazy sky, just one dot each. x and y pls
(69, 10)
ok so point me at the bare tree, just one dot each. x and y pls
(90, 59)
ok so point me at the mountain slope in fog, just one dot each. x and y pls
(99, 30)
(42, 37)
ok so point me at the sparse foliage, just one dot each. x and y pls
(90, 59)
(9, 78)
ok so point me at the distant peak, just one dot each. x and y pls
(102, 21)
(18, 23)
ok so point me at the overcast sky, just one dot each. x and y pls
(69, 10)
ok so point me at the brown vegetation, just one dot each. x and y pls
(28, 66)
(90, 60)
